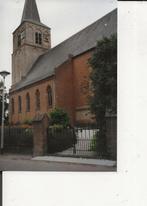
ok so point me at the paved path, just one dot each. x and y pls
(25, 163)
(98, 162)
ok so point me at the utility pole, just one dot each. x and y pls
(3, 74)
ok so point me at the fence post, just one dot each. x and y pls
(111, 135)
(40, 125)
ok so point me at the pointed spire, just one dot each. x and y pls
(30, 11)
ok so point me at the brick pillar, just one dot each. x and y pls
(40, 125)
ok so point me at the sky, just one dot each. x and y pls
(64, 17)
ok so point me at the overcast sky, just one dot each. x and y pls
(64, 17)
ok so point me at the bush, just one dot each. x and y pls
(60, 135)
(59, 117)
(93, 143)
(28, 122)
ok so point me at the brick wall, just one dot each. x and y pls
(64, 88)
(26, 54)
(71, 90)
(24, 115)
(82, 88)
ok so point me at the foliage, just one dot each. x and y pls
(57, 127)
(60, 135)
(59, 117)
(28, 122)
(29, 132)
(6, 105)
(104, 85)
(93, 143)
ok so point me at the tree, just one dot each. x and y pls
(104, 85)
(5, 104)
(59, 117)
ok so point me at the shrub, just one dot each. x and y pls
(17, 123)
(28, 132)
(93, 143)
(59, 117)
(60, 135)
(28, 121)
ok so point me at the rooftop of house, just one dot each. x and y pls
(77, 44)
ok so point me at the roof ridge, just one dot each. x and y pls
(81, 31)
(46, 63)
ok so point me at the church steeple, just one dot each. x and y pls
(30, 40)
(30, 11)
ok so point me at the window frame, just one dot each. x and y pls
(19, 104)
(49, 96)
(12, 106)
(38, 38)
(37, 100)
(19, 40)
(28, 105)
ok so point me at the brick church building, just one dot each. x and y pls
(44, 77)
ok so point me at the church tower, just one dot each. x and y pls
(30, 40)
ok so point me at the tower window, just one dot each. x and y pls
(19, 40)
(37, 95)
(23, 35)
(38, 38)
(19, 104)
(49, 95)
(27, 102)
(12, 106)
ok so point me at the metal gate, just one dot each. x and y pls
(85, 144)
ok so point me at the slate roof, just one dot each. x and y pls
(30, 11)
(77, 44)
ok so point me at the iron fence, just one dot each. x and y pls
(18, 140)
(81, 141)
(60, 139)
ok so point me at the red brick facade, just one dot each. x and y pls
(70, 91)
(63, 70)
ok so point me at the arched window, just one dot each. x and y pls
(49, 96)
(27, 102)
(12, 106)
(19, 104)
(38, 38)
(19, 40)
(37, 97)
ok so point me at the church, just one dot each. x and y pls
(44, 77)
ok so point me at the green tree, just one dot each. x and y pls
(5, 104)
(104, 85)
(59, 117)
